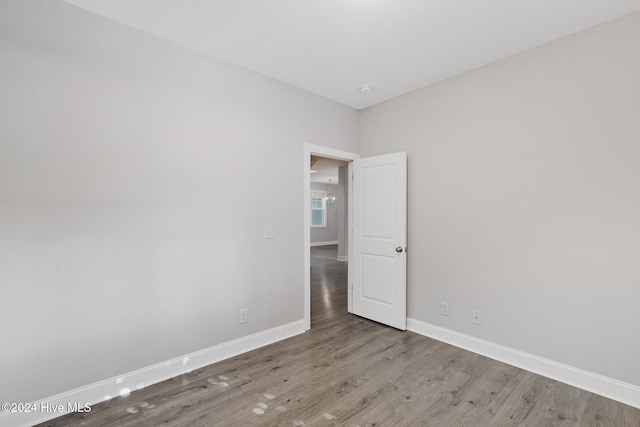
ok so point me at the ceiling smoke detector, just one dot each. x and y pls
(366, 88)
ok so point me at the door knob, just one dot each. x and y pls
(399, 249)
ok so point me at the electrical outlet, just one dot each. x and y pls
(244, 316)
(475, 317)
(269, 231)
(444, 308)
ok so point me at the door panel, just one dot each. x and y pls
(379, 238)
(377, 272)
(378, 223)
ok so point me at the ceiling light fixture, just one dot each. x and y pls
(366, 88)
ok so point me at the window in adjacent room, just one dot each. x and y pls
(318, 208)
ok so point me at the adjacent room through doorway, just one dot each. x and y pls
(328, 237)
(326, 215)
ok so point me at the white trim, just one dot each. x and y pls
(332, 153)
(343, 258)
(330, 242)
(350, 237)
(135, 380)
(626, 393)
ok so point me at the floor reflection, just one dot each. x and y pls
(328, 283)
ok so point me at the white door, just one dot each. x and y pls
(380, 239)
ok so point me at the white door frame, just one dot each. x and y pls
(331, 153)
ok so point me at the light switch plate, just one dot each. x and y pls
(269, 231)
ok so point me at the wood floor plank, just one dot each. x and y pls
(349, 371)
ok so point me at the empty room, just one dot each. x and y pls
(313, 213)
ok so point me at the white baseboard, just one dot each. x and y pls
(343, 258)
(330, 242)
(628, 394)
(135, 380)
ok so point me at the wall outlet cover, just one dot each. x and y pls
(475, 317)
(444, 308)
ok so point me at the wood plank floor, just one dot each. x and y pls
(349, 371)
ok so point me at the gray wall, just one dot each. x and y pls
(118, 248)
(330, 232)
(524, 198)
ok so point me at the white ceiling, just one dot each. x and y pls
(332, 47)
(326, 170)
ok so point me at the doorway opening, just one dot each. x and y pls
(317, 213)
